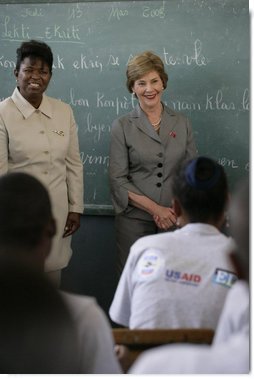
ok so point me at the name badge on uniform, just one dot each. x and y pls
(59, 132)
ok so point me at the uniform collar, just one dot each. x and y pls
(200, 228)
(168, 122)
(137, 111)
(27, 109)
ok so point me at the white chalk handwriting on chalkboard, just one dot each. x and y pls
(13, 31)
(96, 129)
(148, 11)
(196, 58)
(152, 11)
(91, 159)
(83, 102)
(213, 101)
(32, 12)
(6, 63)
(117, 13)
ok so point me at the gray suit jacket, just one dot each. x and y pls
(143, 162)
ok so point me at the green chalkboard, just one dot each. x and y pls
(203, 43)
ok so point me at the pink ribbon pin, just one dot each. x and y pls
(172, 134)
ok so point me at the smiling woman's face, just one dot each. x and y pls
(148, 89)
(32, 79)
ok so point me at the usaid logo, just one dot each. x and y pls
(182, 277)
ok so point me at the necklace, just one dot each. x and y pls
(157, 128)
(155, 124)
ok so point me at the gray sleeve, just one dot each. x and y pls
(119, 168)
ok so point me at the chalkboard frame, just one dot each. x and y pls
(56, 1)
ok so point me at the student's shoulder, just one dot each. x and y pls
(227, 242)
(78, 304)
(239, 290)
(156, 244)
(153, 241)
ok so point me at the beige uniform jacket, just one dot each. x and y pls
(43, 142)
(141, 161)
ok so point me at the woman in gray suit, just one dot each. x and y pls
(146, 146)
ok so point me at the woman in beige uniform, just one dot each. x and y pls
(38, 135)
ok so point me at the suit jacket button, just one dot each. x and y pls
(158, 184)
(159, 174)
(159, 165)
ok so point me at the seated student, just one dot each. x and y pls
(235, 314)
(230, 356)
(236, 311)
(27, 230)
(180, 279)
(37, 333)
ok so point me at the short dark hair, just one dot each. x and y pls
(201, 187)
(35, 49)
(25, 210)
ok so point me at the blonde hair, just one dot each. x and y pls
(142, 64)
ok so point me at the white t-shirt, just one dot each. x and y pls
(235, 316)
(95, 335)
(231, 357)
(175, 280)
